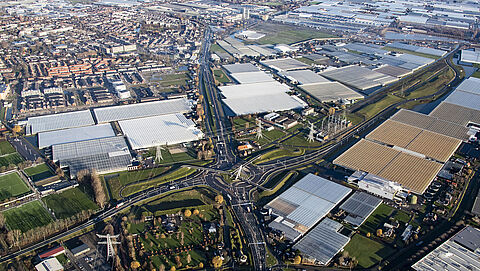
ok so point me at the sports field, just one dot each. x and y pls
(6, 148)
(39, 172)
(69, 203)
(27, 216)
(11, 185)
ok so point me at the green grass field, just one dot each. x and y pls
(278, 153)
(367, 251)
(13, 158)
(373, 109)
(11, 185)
(376, 219)
(171, 158)
(177, 79)
(116, 181)
(27, 216)
(301, 140)
(6, 148)
(69, 203)
(39, 172)
(288, 34)
(176, 174)
(220, 76)
(388, 48)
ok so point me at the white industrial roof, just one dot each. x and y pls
(308, 201)
(306, 77)
(106, 155)
(46, 139)
(252, 77)
(460, 252)
(141, 110)
(359, 77)
(470, 56)
(159, 130)
(241, 67)
(259, 97)
(51, 264)
(465, 99)
(331, 92)
(285, 64)
(323, 242)
(471, 85)
(59, 121)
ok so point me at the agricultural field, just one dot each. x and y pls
(39, 172)
(11, 185)
(27, 216)
(279, 33)
(69, 203)
(6, 148)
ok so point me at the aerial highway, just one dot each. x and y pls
(237, 194)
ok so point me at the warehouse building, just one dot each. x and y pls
(153, 131)
(304, 204)
(263, 97)
(109, 154)
(59, 121)
(142, 110)
(284, 64)
(358, 77)
(332, 92)
(469, 57)
(414, 173)
(47, 139)
(241, 68)
(359, 207)
(461, 252)
(251, 77)
(323, 242)
(304, 77)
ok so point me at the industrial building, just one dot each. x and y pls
(323, 242)
(304, 77)
(417, 49)
(142, 110)
(263, 97)
(359, 207)
(59, 121)
(414, 173)
(159, 130)
(47, 139)
(106, 155)
(461, 252)
(251, 77)
(304, 204)
(358, 77)
(241, 68)
(469, 57)
(332, 92)
(284, 64)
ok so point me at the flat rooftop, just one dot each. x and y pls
(358, 77)
(331, 92)
(159, 130)
(359, 207)
(142, 110)
(306, 77)
(412, 172)
(430, 144)
(47, 139)
(251, 77)
(458, 253)
(431, 123)
(307, 202)
(59, 121)
(285, 64)
(456, 113)
(241, 67)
